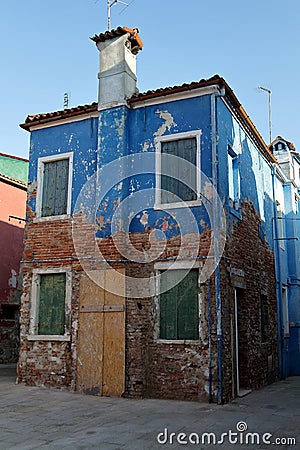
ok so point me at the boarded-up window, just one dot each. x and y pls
(52, 304)
(55, 188)
(182, 179)
(179, 308)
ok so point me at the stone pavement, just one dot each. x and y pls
(40, 418)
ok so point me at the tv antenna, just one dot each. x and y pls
(111, 3)
(269, 92)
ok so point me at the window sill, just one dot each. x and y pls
(51, 218)
(175, 205)
(179, 341)
(48, 337)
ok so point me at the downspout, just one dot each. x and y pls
(215, 213)
(209, 345)
(278, 280)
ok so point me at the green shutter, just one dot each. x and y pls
(55, 188)
(179, 174)
(187, 307)
(179, 310)
(52, 304)
(168, 306)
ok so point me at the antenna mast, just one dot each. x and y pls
(111, 3)
(269, 92)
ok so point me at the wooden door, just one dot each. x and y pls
(101, 337)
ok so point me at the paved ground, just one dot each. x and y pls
(38, 418)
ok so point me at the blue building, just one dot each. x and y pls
(287, 256)
(151, 259)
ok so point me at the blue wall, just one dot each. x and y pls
(77, 137)
(124, 132)
(255, 173)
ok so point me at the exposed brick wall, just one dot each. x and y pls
(159, 369)
(153, 368)
(47, 245)
(248, 253)
(9, 344)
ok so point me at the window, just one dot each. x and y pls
(177, 182)
(51, 319)
(233, 175)
(280, 233)
(51, 300)
(179, 306)
(263, 318)
(54, 185)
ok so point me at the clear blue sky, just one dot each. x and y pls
(46, 51)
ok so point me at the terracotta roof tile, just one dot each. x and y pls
(136, 43)
(151, 94)
(216, 79)
(13, 181)
(36, 119)
(230, 97)
(290, 145)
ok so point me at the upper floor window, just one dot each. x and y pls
(280, 229)
(54, 185)
(177, 181)
(233, 175)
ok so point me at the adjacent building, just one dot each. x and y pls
(286, 251)
(13, 187)
(151, 260)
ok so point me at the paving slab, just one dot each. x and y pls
(40, 418)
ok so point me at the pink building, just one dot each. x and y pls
(13, 191)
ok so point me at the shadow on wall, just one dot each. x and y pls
(11, 248)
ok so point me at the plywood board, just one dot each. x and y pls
(90, 340)
(101, 336)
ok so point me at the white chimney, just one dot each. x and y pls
(117, 77)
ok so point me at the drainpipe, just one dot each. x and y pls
(278, 280)
(215, 213)
(209, 345)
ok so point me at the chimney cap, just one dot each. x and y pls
(136, 42)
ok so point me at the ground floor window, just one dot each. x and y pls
(179, 305)
(51, 318)
(51, 298)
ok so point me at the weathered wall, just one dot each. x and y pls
(248, 267)
(12, 202)
(155, 368)
(47, 362)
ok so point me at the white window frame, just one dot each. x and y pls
(171, 265)
(176, 137)
(232, 156)
(280, 225)
(34, 310)
(40, 182)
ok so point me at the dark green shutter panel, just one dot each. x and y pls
(175, 183)
(168, 307)
(188, 307)
(52, 304)
(55, 188)
(179, 309)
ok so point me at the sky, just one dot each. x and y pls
(46, 51)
